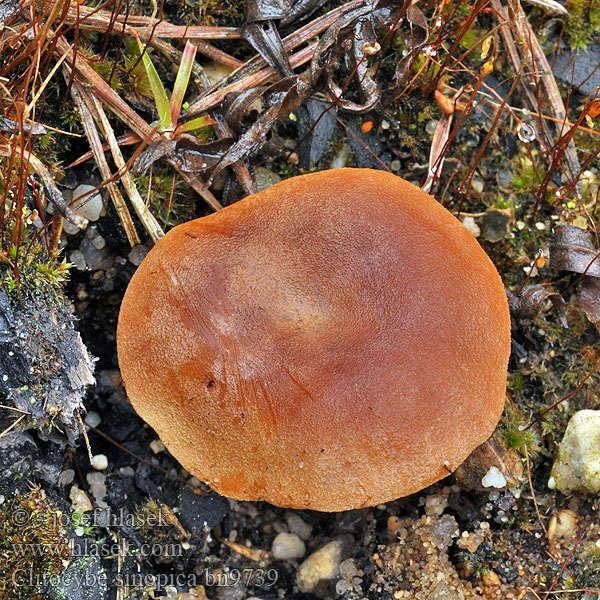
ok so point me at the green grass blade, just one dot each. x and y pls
(182, 80)
(158, 90)
(196, 123)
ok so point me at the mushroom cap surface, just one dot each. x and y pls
(335, 341)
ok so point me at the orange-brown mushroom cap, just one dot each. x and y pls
(336, 341)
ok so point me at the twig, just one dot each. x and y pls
(54, 194)
(96, 145)
(146, 217)
(12, 426)
(85, 437)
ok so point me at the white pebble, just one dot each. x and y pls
(157, 446)
(92, 419)
(91, 205)
(288, 546)
(578, 464)
(493, 478)
(99, 462)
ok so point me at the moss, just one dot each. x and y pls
(583, 23)
(526, 175)
(33, 544)
(158, 527)
(27, 266)
(170, 199)
(213, 12)
(513, 428)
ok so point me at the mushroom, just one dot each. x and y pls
(336, 341)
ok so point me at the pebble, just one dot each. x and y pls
(471, 226)
(288, 546)
(77, 259)
(435, 504)
(137, 254)
(321, 566)
(79, 500)
(92, 419)
(298, 526)
(92, 207)
(495, 224)
(341, 158)
(265, 178)
(215, 71)
(577, 466)
(97, 483)
(431, 126)
(493, 478)
(157, 446)
(100, 462)
(470, 541)
(127, 471)
(94, 258)
(562, 525)
(478, 184)
(98, 242)
(66, 477)
(70, 228)
(504, 178)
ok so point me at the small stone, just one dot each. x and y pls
(490, 581)
(321, 567)
(215, 71)
(97, 483)
(431, 126)
(478, 184)
(98, 242)
(157, 446)
(495, 224)
(578, 464)
(77, 259)
(396, 165)
(504, 178)
(79, 500)
(493, 478)
(540, 226)
(395, 529)
(471, 226)
(470, 541)
(100, 462)
(92, 419)
(137, 255)
(66, 477)
(298, 526)
(265, 178)
(127, 471)
(562, 525)
(435, 504)
(92, 203)
(70, 228)
(288, 546)
(341, 158)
